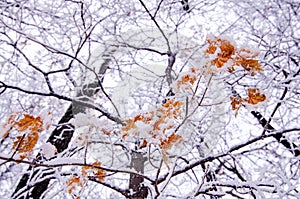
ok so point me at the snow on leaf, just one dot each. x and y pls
(153, 126)
(73, 182)
(227, 53)
(130, 124)
(227, 50)
(171, 108)
(172, 140)
(8, 125)
(48, 150)
(145, 117)
(94, 172)
(186, 81)
(86, 172)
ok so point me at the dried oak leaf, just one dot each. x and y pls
(187, 79)
(144, 117)
(143, 144)
(100, 174)
(236, 102)
(171, 108)
(159, 122)
(211, 49)
(254, 96)
(219, 62)
(172, 140)
(129, 125)
(250, 65)
(26, 143)
(29, 122)
(227, 49)
(243, 57)
(73, 182)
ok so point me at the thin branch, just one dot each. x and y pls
(78, 102)
(50, 165)
(157, 25)
(124, 192)
(229, 151)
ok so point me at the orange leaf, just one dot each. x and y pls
(129, 125)
(219, 62)
(251, 65)
(228, 52)
(255, 96)
(31, 123)
(72, 182)
(227, 49)
(99, 173)
(124, 135)
(95, 172)
(143, 144)
(173, 139)
(26, 143)
(186, 80)
(236, 103)
(158, 122)
(211, 49)
(171, 108)
(145, 117)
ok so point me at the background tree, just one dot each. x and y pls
(136, 99)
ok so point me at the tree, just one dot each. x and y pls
(135, 99)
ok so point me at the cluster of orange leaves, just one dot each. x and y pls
(158, 118)
(227, 51)
(29, 124)
(227, 54)
(245, 58)
(187, 80)
(254, 97)
(86, 172)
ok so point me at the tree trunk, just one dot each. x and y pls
(63, 131)
(292, 147)
(136, 185)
